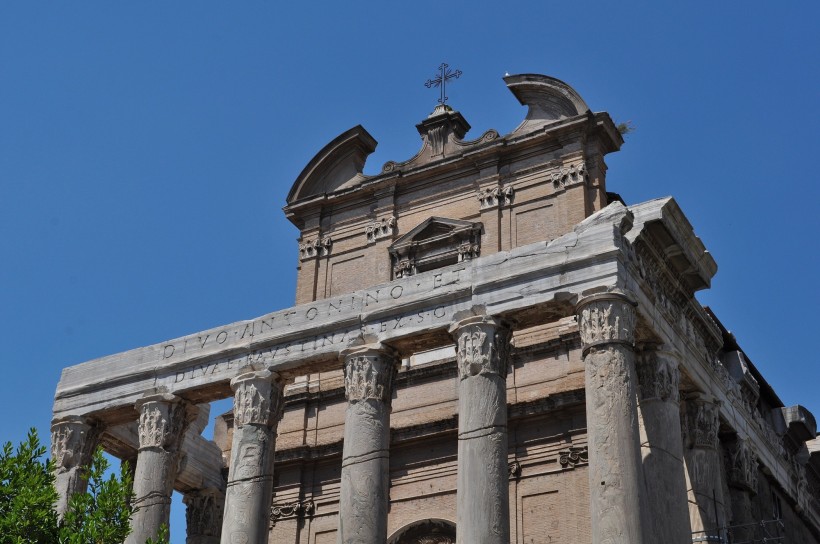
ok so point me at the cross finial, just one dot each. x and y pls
(445, 74)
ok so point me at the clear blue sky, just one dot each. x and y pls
(146, 149)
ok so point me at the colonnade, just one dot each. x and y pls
(638, 492)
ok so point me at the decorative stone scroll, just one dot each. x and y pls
(702, 422)
(369, 376)
(573, 457)
(381, 228)
(403, 268)
(658, 377)
(493, 197)
(73, 440)
(570, 175)
(742, 463)
(314, 249)
(295, 509)
(468, 251)
(514, 470)
(203, 515)
(482, 347)
(607, 318)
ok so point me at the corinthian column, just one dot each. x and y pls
(257, 407)
(662, 449)
(163, 420)
(369, 374)
(73, 440)
(703, 467)
(483, 501)
(616, 485)
(742, 476)
(203, 515)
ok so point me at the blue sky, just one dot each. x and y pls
(146, 150)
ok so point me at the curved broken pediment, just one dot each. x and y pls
(547, 98)
(339, 164)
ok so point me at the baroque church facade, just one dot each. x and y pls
(487, 346)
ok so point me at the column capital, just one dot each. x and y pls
(482, 345)
(369, 372)
(606, 318)
(742, 461)
(258, 398)
(163, 420)
(701, 421)
(73, 439)
(203, 514)
(658, 376)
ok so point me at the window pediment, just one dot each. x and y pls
(434, 243)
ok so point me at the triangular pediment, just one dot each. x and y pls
(435, 228)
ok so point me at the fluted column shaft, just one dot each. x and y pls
(73, 440)
(369, 375)
(203, 515)
(703, 466)
(616, 484)
(483, 502)
(162, 424)
(662, 447)
(257, 407)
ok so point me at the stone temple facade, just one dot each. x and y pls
(487, 347)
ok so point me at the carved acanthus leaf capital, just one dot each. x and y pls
(658, 376)
(606, 318)
(482, 346)
(742, 463)
(701, 422)
(73, 440)
(203, 512)
(369, 373)
(163, 420)
(258, 398)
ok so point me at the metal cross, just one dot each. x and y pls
(445, 74)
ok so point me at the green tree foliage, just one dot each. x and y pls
(27, 497)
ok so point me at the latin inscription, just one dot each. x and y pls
(324, 310)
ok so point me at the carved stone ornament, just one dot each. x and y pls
(658, 377)
(203, 512)
(482, 346)
(514, 470)
(295, 509)
(606, 318)
(573, 457)
(742, 465)
(570, 175)
(369, 375)
(163, 420)
(493, 197)
(468, 251)
(73, 440)
(313, 249)
(382, 228)
(258, 398)
(402, 269)
(701, 423)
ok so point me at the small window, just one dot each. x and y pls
(435, 243)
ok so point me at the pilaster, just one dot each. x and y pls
(482, 503)
(369, 373)
(662, 446)
(258, 403)
(616, 482)
(701, 424)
